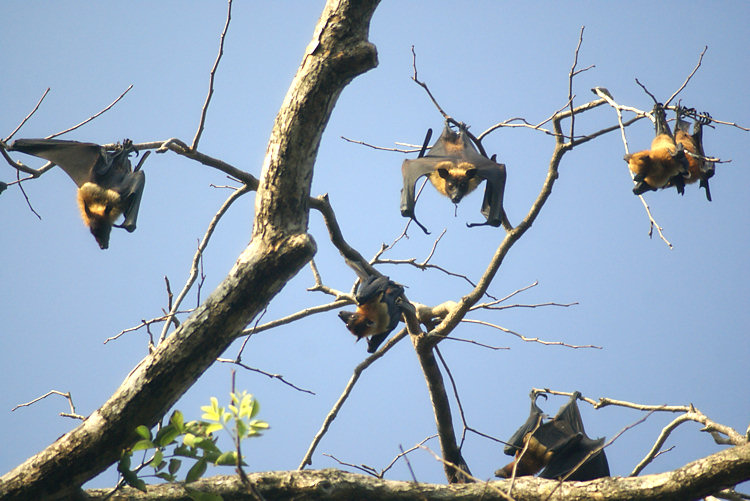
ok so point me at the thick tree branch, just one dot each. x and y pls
(695, 480)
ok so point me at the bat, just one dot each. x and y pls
(455, 168)
(698, 167)
(661, 166)
(107, 186)
(560, 446)
(378, 310)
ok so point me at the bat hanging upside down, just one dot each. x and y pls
(107, 186)
(378, 310)
(558, 446)
(698, 167)
(455, 168)
(664, 164)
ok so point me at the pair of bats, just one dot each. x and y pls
(108, 186)
(674, 159)
(559, 447)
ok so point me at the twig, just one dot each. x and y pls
(267, 374)
(529, 339)
(144, 323)
(27, 116)
(204, 111)
(198, 253)
(413, 149)
(71, 414)
(684, 84)
(307, 459)
(91, 117)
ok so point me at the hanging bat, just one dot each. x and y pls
(378, 310)
(455, 168)
(698, 168)
(661, 166)
(107, 186)
(558, 446)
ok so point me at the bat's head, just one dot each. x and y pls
(99, 209)
(459, 181)
(357, 323)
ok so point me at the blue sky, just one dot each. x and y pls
(671, 323)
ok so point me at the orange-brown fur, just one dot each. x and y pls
(657, 165)
(451, 186)
(695, 165)
(100, 208)
(369, 319)
(529, 462)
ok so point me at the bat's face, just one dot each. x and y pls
(458, 181)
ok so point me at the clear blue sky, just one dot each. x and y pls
(672, 323)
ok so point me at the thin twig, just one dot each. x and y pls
(71, 414)
(307, 459)
(204, 110)
(91, 117)
(27, 116)
(684, 84)
(529, 339)
(198, 253)
(267, 374)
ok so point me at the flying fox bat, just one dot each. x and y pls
(378, 310)
(661, 166)
(558, 446)
(455, 168)
(698, 167)
(107, 186)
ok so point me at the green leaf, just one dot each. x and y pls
(212, 412)
(177, 421)
(189, 439)
(144, 432)
(130, 477)
(198, 469)
(213, 427)
(166, 476)
(174, 465)
(241, 428)
(206, 444)
(166, 435)
(158, 460)
(142, 445)
(259, 425)
(227, 459)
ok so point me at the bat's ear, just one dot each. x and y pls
(443, 173)
(470, 173)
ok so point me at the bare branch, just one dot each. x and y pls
(91, 117)
(528, 339)
(211, 79)
(27, 116)
(198, 253)
(71, 414)
(267, 374)
(307, 459)
(684, 84)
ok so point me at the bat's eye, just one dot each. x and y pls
(369, 323)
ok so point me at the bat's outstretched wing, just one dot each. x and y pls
(78, 160)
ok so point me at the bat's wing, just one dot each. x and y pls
(78, 160)
(423, 165)
(370, 288)
(492, 204)
(565, 460)
(568, 453)
(131, 191)
(534, 421)
(708, 169)
(493, 172)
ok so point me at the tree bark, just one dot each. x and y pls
(280, 246)
(695, 480)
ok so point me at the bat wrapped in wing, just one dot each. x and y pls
(560, 446)
(107, 185)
